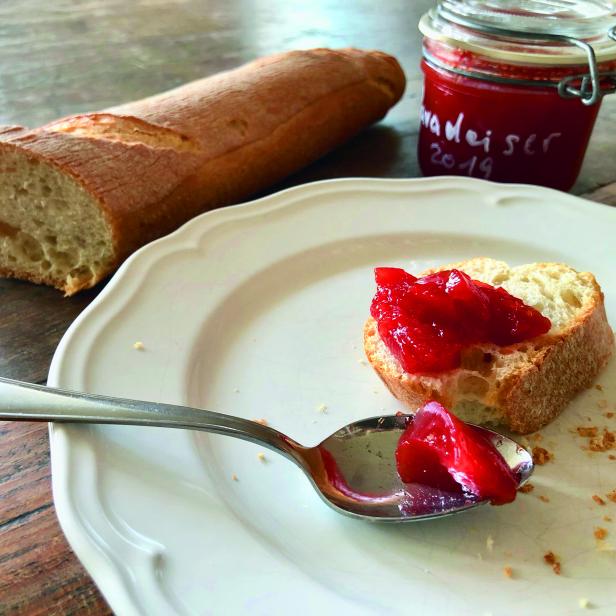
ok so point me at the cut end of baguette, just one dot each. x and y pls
(522, 386)
(51, 230)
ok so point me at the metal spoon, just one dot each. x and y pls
(353, 470)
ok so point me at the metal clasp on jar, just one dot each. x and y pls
(593, 85)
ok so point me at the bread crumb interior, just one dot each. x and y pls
(51, 230)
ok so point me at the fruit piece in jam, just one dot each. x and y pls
(426, 322)
(440, 451)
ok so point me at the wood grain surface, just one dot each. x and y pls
(69, 56)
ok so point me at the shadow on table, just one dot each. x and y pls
(380, 151)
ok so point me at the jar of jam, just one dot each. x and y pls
(512, 88)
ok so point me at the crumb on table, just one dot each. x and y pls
(526, 488)
(612, 456)
(541, 455)
(609, 414)
(551, 559)
(138, 346)
(584, 603)
(234, 477)
(599, 387)
(598, 499)
(322, 408)
(612, 495)
(490, 543)
(508, 571)
(607, 518)
(603, 404)
(544, 498)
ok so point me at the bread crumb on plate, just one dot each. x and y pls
(600, 533)
(604, 442)
(541, 455)
(587, 431)
(261, 457)
(551, 559)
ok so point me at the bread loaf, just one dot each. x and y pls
(78, 195)
(522, 386)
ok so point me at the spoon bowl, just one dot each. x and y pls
(358, 476)
(353, 470)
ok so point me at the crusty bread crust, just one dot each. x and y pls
(153, 164)
(540, 379)
(562, 369)
(30, 277)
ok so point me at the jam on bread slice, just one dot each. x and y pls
(522, 383)
(427, 322)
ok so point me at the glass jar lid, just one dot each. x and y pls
(535, 32)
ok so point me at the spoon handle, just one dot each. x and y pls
(21, 401)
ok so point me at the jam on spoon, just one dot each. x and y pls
(440, 451)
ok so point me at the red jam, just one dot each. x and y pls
(440, 451)
(501, 131)
(426, 322)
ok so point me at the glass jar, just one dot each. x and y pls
(512, 89)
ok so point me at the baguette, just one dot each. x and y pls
(78, 195)
(522, 386)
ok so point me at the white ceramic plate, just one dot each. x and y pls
(257, 310)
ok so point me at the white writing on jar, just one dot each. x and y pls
(457, 132)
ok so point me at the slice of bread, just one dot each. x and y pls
(526, 385)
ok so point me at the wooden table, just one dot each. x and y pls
(68, 56)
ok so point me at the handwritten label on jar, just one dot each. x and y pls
(487, 145)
